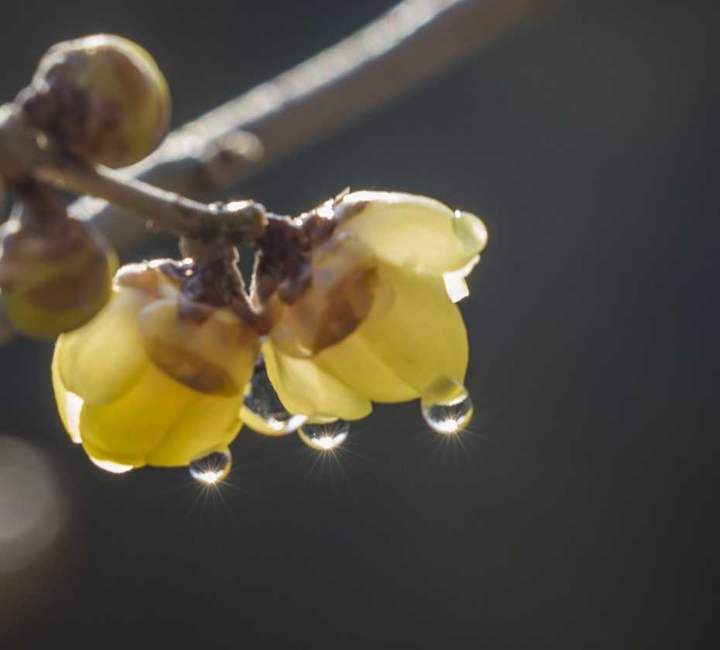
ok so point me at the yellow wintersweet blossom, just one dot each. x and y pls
(378, 322)
(144, 384)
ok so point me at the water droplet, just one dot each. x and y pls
(212, 468)
(446, 406)
(262, 409)
(324, 436)
(110, 466)
(471, 231)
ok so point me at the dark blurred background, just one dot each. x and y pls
(576, 513)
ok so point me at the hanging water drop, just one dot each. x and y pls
(110, 466)
(446, 406)
(324, 436)
(212, 468)
(262, 409)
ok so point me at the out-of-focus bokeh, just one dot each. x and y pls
(575, 513)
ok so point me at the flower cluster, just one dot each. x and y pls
(161, 363)
(162, 375)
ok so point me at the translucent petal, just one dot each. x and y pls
(206, 423)
(127, 430)
(455, 283)
(159, 422)
(69, 404)
(109, 466)
(213, 353)
(303, 387)
(102, 359)
(395, 354)
(364, 370)
(414, 231)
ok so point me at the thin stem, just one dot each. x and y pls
(28, 155)
(237, 222)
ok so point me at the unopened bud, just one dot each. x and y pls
(54, 276)
(103, 97)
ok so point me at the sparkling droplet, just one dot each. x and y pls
(212, 468)
(324, 436)
(446, 406)
(110, 466)
(262, 409)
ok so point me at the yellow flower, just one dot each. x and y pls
(152, 380)
(377, 323)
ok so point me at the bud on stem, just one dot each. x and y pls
(55, 272)
(102, 97)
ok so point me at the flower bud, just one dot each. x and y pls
(54, 276)
(103, 97)
(376, 322)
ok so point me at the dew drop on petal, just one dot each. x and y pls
(110, 466)
(262, 409)
(324, 436)
(446, 406)
(471, 231)
(212, 468)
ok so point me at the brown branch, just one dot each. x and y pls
(26, 153)
(236, 222)
(405, 46)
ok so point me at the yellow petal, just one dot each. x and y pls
(158, 422)
(413, 231)
(127, 430)
(303, 387)
(102, 359)
(69, 404)
(364, 370)
(206, 423)
(398, 351)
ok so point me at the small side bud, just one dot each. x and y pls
(103, 97)
(55, 273)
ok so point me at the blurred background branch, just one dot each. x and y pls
(405, 46)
